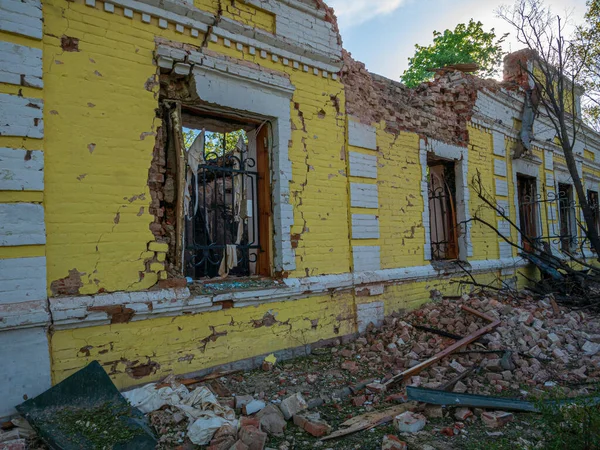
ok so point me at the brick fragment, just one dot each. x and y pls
(359, 400)
(409, 422)
(272, 420)
(252, 437)
(293, 405)
(496, 419)
(312, 424)
(391, 442)
(463, 414)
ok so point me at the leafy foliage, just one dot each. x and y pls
(575, 425)
(213, 142)
(468, 43)
(588, 45)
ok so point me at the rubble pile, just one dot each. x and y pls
(533, 346)
(537, 344)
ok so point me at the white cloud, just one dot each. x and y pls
(355, 12)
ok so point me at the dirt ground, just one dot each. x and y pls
(538, 349)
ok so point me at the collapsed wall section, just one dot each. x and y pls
(440, 109)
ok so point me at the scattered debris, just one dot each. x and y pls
(496, 419)
(293, 405)
(436, 397)
(272, 420)
(409, 422)
(370, 420)
(312, 424)
(269, 363)
(391, 442)
(452, 348)
(414, 361)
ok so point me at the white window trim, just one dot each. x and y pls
(461, 156)
(531, 169)
(590, 183)
(246, 94)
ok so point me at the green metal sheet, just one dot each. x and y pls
(86, 411)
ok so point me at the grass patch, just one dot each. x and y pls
(102, 427)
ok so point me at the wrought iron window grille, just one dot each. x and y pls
(226, 219)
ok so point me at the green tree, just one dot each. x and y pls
(468, 43)
(588, 47)
(213, 142)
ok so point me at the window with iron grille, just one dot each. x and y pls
(442, 209)
(528, 210)
(566, 215)
(594, 206)
(227, 199)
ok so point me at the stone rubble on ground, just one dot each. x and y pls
(409, 422)
(536, 347)
(391, 442)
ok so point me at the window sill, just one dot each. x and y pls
(450, 265)
(216, 286)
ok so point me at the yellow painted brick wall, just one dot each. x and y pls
(100, 123)
(186, 344)
(240, 12)
(99, 134)
(411, 295)
(401, 203)
(481, 159)
(319, 189)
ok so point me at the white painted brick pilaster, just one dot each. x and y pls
(499, 144)
(501, 187)
(364, 166)
(364, 195)
(21, 116)
(21, 170)
(500, 167)
(366, 258)
(361, 135)
(365, 226)
(22, 224)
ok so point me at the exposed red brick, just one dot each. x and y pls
(69, 44)
(142, 370)
(515, 64)
(172, 283)
(440, 109)
(116, 313)
(69, 285)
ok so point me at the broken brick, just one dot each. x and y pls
(252, 437)
(496, 419)
(312, 424)
(293, 405)
(391, 442)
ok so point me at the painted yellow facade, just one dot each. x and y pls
(350, 198)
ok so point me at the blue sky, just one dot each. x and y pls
(382, 33)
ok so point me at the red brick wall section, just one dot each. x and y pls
(514, 64)
(439, 109)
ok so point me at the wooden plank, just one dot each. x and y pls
(449, 350)
(370, 420)
(177, 133)
(265, 218)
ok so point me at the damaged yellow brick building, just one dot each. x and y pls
(186, 185)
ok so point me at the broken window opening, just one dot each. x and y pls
(528, 210)
(441, 181)
(226, 198)
(566, 215)
(594, 206)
